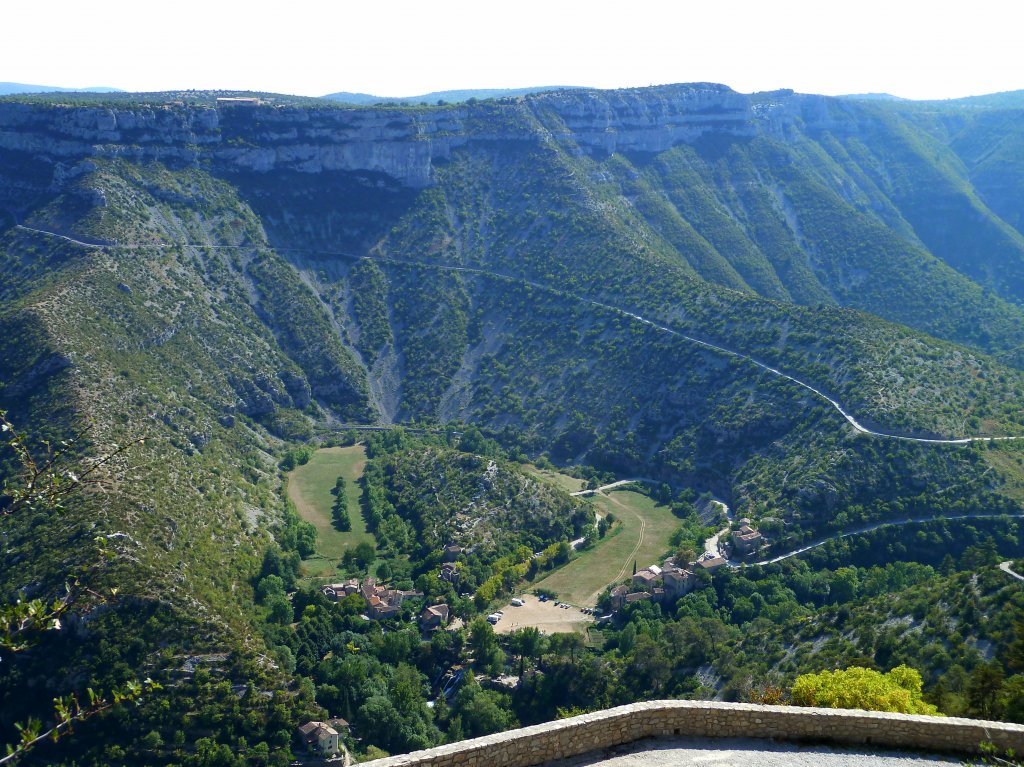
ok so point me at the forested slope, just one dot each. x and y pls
(227, 284)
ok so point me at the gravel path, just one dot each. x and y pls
(743, 752)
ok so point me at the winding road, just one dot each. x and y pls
(711, 544)
(554, 291)
(1007, 567)
(625, 509)
(612, 486)
(868, 529)
(712, 548)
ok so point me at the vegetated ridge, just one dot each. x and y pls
(723, 292)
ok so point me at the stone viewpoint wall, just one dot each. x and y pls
(669, 718)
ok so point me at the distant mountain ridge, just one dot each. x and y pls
(9, 89)
(451, 97)
(1002, 100)
(873, 97)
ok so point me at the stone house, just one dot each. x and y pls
(382, 602)
(320, 738)
(434, 617)
(678, 582)
(338, 591)
(709, 563)
(618, 595)
(338, 724)
(450, 574)
(380, 609)
(649, 576)
(747, 540)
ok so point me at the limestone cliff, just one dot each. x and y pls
(401, 143)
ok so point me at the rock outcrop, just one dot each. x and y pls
(402, 143)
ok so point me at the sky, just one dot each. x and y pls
(913, 49)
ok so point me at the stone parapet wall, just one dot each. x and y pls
(679, 718)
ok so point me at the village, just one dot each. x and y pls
(663, 583)
(659, 583)
(670, 581)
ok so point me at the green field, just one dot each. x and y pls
(563, 481)
(309, 488)
(643, 535)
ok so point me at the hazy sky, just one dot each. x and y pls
(399, 48)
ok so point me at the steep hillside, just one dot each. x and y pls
(796, 197)
(445, 497)
(504, 293)
(990, 146)
(726, 293)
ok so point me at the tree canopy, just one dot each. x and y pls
(897, 691)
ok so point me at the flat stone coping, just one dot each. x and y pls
(566, 738)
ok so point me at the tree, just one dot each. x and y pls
(563, 553)
(649, 669)
(566, 644)
(897, 691)
(983, 687)
(339, 487)
(484, 644)
(531, 642)
(481, 711)
(1011, 699)
(339, 513)
(45, 485)
(268, 587)
(280, 609)
(526, 643)
(364, 554)
(590, 537)
(151, 741)
(844, 584)
(684, 554)
(1015, 652)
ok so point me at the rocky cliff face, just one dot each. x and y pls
(649, 119)
(401, 143)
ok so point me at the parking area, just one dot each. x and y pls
(549, 617)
